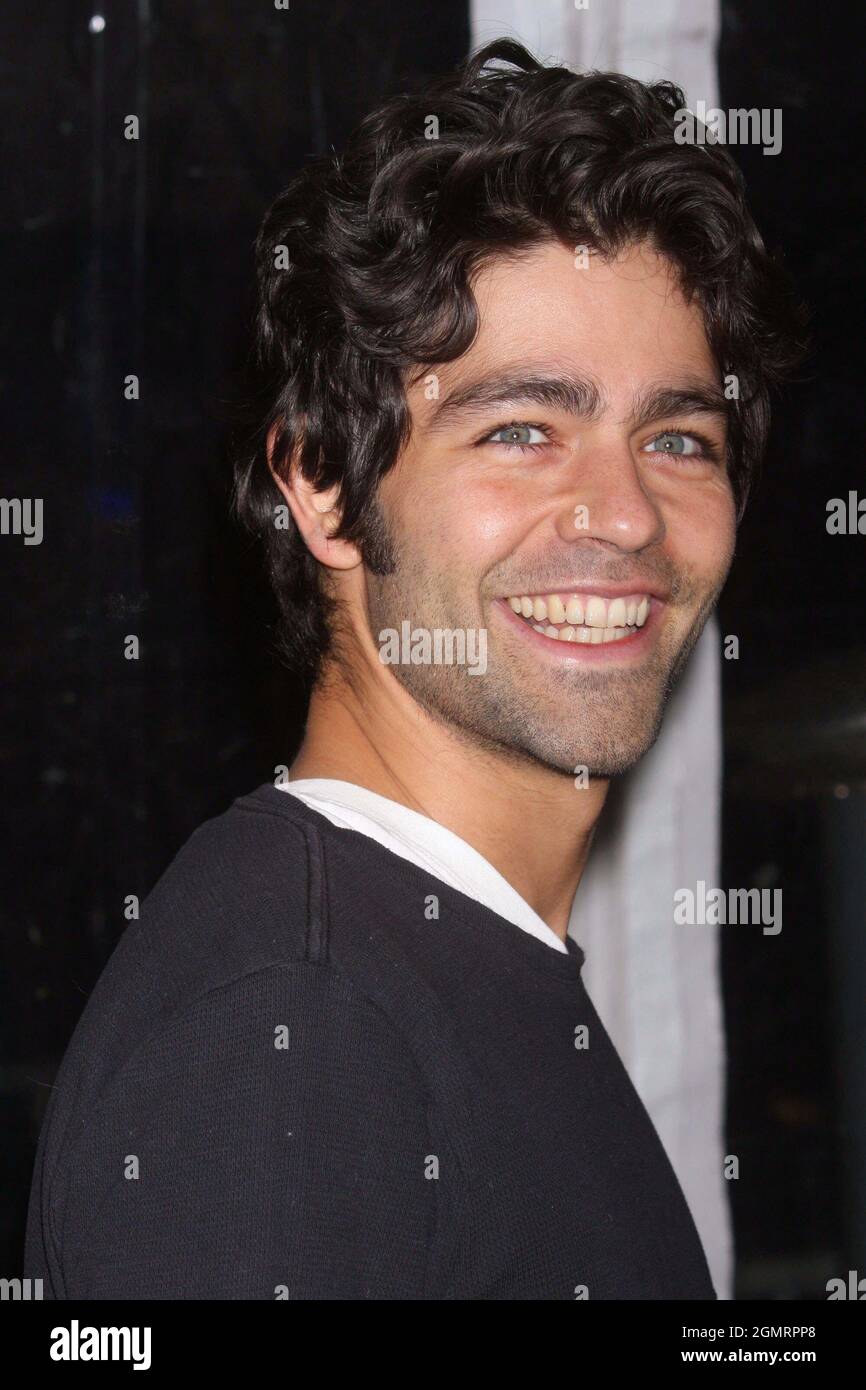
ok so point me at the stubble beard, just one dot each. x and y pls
(603, 721)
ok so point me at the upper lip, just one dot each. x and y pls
(602, 590)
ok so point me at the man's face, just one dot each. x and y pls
(572, 459)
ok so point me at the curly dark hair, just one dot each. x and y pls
(383, 243)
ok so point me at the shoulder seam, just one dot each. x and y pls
(317, 899)
(316, 941)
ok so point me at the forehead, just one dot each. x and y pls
(625, 321)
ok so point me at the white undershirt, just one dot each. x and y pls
(423, 842)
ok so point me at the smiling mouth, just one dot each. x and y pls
(587, 619)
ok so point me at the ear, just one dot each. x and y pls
(315, 513)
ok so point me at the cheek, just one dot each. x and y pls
(473, 521)
(496, 517)
(701, 533)
(501, 510)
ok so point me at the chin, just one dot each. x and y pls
(602, 755)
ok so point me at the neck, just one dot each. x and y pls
(529, 822)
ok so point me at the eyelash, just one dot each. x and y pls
(516, 425)
(709, 451)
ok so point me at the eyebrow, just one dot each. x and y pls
(577, 395)
(696, 398)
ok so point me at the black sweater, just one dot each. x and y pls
(313, 1071)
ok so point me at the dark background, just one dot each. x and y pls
(135, 257)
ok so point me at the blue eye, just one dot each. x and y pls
(518, 436)
(674, 443)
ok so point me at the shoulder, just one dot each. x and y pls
(235, 899)
(223, 1026)
(223, 933)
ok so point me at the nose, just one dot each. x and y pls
(606, 500)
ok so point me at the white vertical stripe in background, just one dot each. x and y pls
(655, 985)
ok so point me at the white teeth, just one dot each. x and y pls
(616, 613)
(555, 609)
(578, 618)
(596, 612)
(594, 635)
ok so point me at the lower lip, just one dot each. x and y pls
(620, 653)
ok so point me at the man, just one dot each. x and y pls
(517, 346)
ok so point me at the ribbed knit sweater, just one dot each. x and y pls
(313, 1071)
